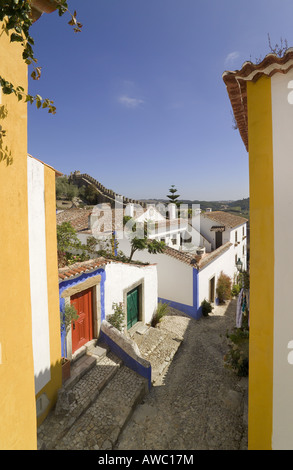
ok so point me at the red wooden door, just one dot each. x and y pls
(82, 329)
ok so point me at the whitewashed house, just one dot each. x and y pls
(188, 273)
(164, 224)
(221, 227)
(197, 250)
(94, 286)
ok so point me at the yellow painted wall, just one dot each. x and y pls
(17, 400)
(261, 264)
(53, 292)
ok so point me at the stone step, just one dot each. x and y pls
(100, 426)
(89, 379)
(158, 347)
(78, 369)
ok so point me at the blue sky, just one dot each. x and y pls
(140, 99)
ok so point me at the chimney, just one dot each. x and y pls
(129, 210)
(172, 209)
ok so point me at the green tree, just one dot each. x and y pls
(65, 189)
(173, 196)
(70, 249)
(142, 242)
(91, 194)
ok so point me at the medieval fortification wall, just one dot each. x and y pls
(104, 195)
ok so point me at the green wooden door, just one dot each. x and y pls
(132, 308)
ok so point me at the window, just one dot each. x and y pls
(236, 236)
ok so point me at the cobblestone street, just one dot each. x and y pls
(199, 404)
(195, 403)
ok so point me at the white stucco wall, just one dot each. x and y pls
(282, 120)
(203, 225)
(175, 279)
(38, 273)
(121, 277)
(225, 263)
(151, 213)
(228, 236)
(241, 249)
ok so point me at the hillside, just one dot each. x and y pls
(90, 192)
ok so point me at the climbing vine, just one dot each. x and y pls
(16, 17)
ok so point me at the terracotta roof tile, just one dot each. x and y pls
(236, 84)
(41, 6)
(76, 269)
(79, 218)
(198, 262)
(208, 257)
(185, 257)
(225, 218)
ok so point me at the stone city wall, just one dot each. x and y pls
(105, 195)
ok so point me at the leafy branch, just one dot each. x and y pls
(16, 17)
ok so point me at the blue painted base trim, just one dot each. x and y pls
(188, 309)
(134, 365)
(194, 311)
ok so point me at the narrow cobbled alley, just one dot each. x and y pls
(195, 402)
(199, 404)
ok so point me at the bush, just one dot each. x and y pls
(237, 358)
(206, 308)
(235, 290)
(223, 288)
(117, 318)
(244, 279)
(161, 311)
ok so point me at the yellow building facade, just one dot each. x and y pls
(30, 367)
(262, 103)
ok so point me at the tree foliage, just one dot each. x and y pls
(173, 196)
(64, 189)
(140, 240)
(69, 247)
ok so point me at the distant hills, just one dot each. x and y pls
(238, 207)
(90, 191)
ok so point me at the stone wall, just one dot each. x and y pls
(104, 195)
(127, 350)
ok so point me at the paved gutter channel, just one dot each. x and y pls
(195, 403)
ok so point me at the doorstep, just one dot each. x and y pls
(139, 328)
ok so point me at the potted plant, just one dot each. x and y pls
(223, 288)
(67, 317)
(206, 308)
